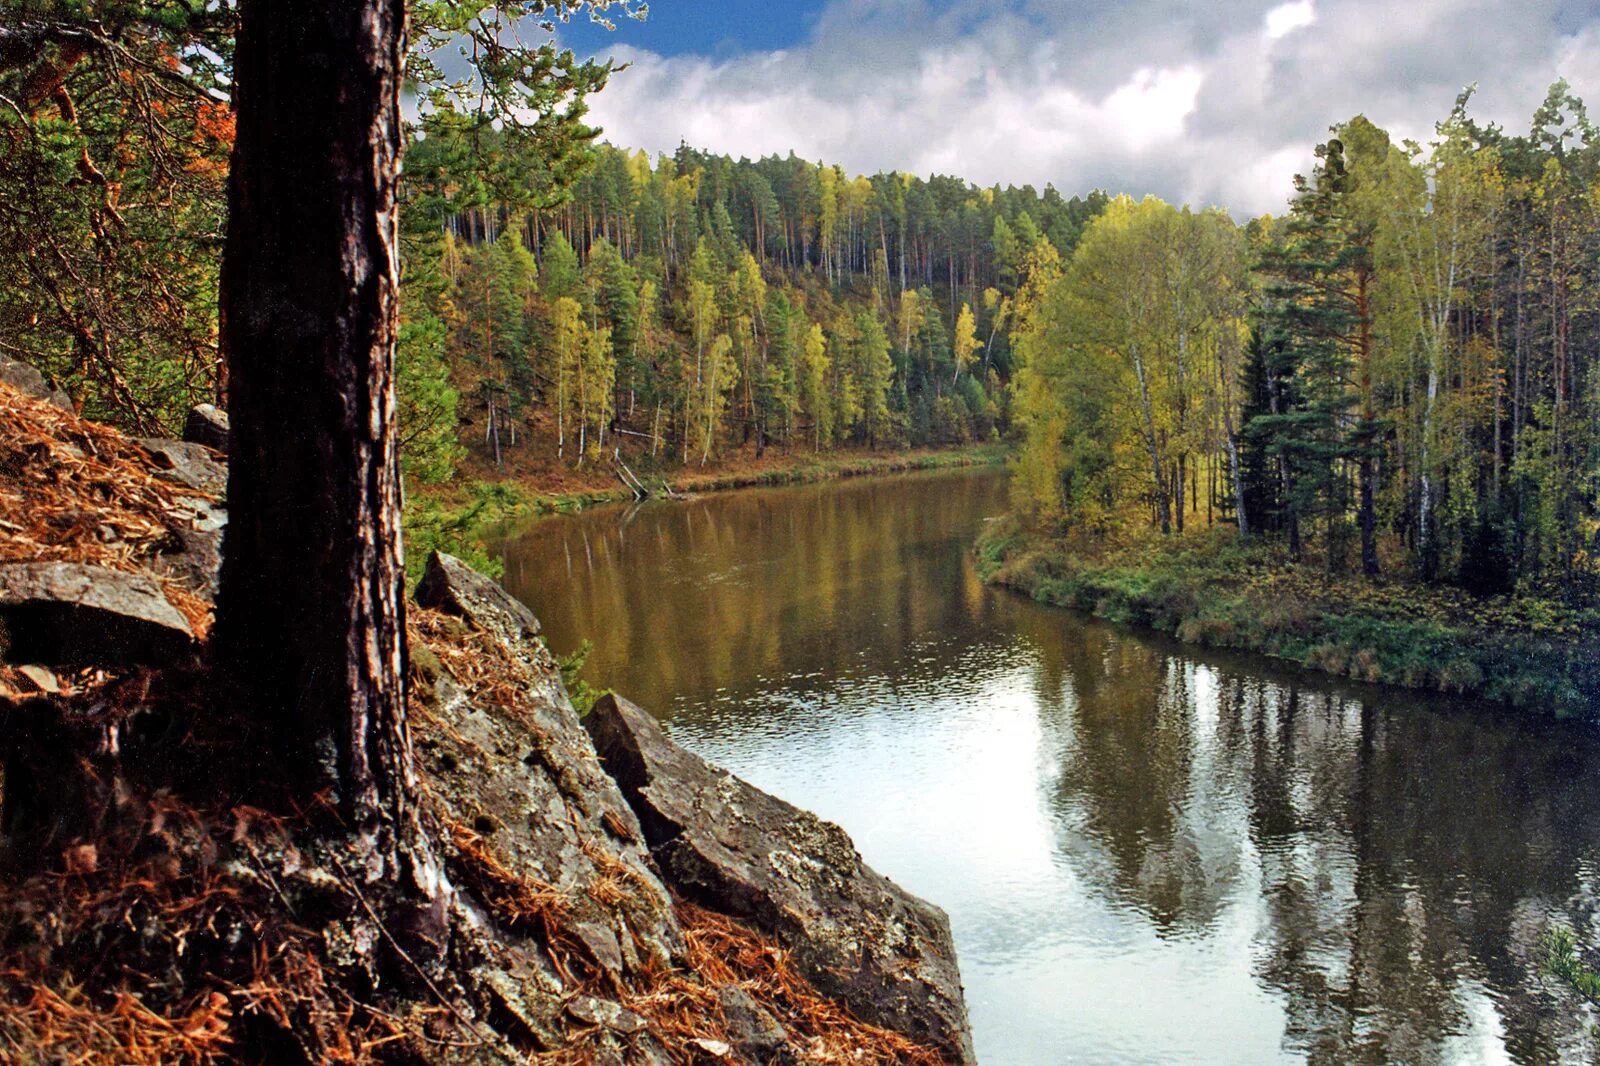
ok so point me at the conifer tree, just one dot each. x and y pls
(1309, 321)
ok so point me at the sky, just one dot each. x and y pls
(1217, 102)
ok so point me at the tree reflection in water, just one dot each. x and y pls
(1149, 853)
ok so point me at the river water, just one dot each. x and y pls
(1149, 853)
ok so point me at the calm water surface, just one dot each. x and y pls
(1149, 854)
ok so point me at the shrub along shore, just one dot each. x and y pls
(1215, 590)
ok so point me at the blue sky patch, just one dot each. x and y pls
(714, 28)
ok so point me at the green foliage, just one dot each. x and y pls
(561, 276)
(1563, 962)
(1221, 590)
(1125, 357)
(461, 528)
(1407, 368)
(429, 449)
(112, 187)
(583, 695)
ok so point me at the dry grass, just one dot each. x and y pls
(76, 491)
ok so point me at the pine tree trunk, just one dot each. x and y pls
(311, 615)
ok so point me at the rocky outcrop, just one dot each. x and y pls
(195, 561)
(207, 424)
(752, 1030)
(110, 547)
(513, 774)
(190, 465)
(64, 613)
(729, 846)
(450, 585)
(30, 382)
(564, 936)
(523, 774)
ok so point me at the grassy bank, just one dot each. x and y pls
(1212, 589)
(803, 468)
(459, 517)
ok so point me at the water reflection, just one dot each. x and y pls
(1147, 855)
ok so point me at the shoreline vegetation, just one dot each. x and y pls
(1384, 399)
(461, 517)
(1212, 589)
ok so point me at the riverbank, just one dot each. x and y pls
(144, 833)
(459, 516)
(1213, 590)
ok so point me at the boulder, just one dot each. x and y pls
(207, 424)
(71, 613)
(508, 761)
(191, 465)
(30, 382)
(197, 560)
(755, 1033)
(728, 846)
(451, 586)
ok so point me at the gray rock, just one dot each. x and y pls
(451, 586)
(197, 561)
(30, 382)
(191, 465)
(603, 945)
(207, 424)
(755, 1033)
(512, 763)
(727, 845)
(591, 1010)
(70, 613)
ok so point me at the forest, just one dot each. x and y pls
(1392, 377)
(1395, 377)
(289, 775)
(693, 302)
(699, 304)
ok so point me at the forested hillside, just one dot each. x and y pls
(1396, 376)
(688, 305)
(694, 304)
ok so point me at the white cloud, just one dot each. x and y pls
(1216, 103)
(1286, 18)
(1152, 106)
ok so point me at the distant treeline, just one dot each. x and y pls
(1401, 373)
(697, 303)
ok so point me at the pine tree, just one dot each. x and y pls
(559, 275)
(1309, 322)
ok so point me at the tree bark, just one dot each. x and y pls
(1163, 502)
(311, 613)
(1366, 508)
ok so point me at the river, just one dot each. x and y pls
(1149, 853)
